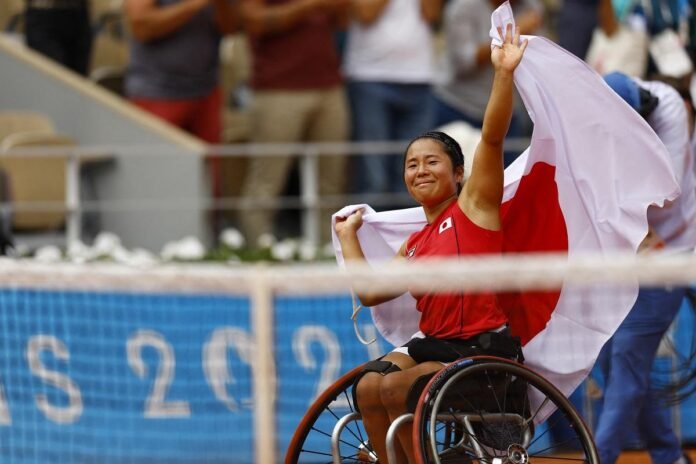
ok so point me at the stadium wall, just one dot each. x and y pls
(172, 169)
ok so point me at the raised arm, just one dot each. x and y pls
(347, 232)
(149, 21)
(482, 193)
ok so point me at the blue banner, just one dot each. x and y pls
(116, 377)
(125, 377)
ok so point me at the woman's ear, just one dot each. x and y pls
(459, 174)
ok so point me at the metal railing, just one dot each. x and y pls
(309, 200)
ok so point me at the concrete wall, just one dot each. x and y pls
(95, 117)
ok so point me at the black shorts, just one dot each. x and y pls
(427, 348)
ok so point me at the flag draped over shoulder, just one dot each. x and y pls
(583, 186)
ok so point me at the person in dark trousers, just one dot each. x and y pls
(60, 29)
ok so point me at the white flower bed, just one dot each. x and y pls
(108, 247)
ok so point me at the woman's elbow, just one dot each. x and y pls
(368, 301)
(374, 299)
(494, 138)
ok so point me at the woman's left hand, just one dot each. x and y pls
(509, 55)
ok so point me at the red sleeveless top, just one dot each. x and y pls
(456, 315)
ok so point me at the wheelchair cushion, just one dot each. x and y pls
(416, 390)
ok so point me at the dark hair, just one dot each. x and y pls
(681, 85)
(451, 147)
(648, 103)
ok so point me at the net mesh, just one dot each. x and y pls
(124, 377)
(109, 364)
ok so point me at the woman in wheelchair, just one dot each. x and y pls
(463, 218)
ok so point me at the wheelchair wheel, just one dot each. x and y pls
(483, 410)
(311, 442)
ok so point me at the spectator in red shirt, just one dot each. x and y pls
(298, 96)
(173, 71)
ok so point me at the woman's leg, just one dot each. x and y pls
(374, 415)
(394, 393)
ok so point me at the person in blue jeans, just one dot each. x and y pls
(389, 67)
(626, 361)
(629, 398)
(386, 111)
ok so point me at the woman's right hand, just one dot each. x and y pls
(349, 224)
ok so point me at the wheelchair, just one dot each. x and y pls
(480, 409)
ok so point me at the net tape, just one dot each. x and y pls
(497, 273)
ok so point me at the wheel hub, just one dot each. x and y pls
(517, 454)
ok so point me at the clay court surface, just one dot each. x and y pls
(641, 457)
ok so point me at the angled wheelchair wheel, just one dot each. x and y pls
(486, 410)
(312, 442)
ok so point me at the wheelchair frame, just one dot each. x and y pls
(442, 433)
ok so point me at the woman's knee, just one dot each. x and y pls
(393, 392)
(368, 392)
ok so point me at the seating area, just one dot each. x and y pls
(108, 66)
(33, 186)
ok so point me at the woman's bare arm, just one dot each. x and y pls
(482, 194)
(347, 232)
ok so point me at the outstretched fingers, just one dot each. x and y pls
(508, 34)
(523, 45)
(508, 37)
(511, 40)
(517, 36)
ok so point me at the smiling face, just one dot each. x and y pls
(428, 173)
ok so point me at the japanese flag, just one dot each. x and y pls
(583, 186)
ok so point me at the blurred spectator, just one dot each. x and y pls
(618, 45)
(389, 66)
(298, 96)
(629, 398)
(466, 74)
(60, 29)
(576, 24)
(174, 65)
(174, 56)
(664, 23)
